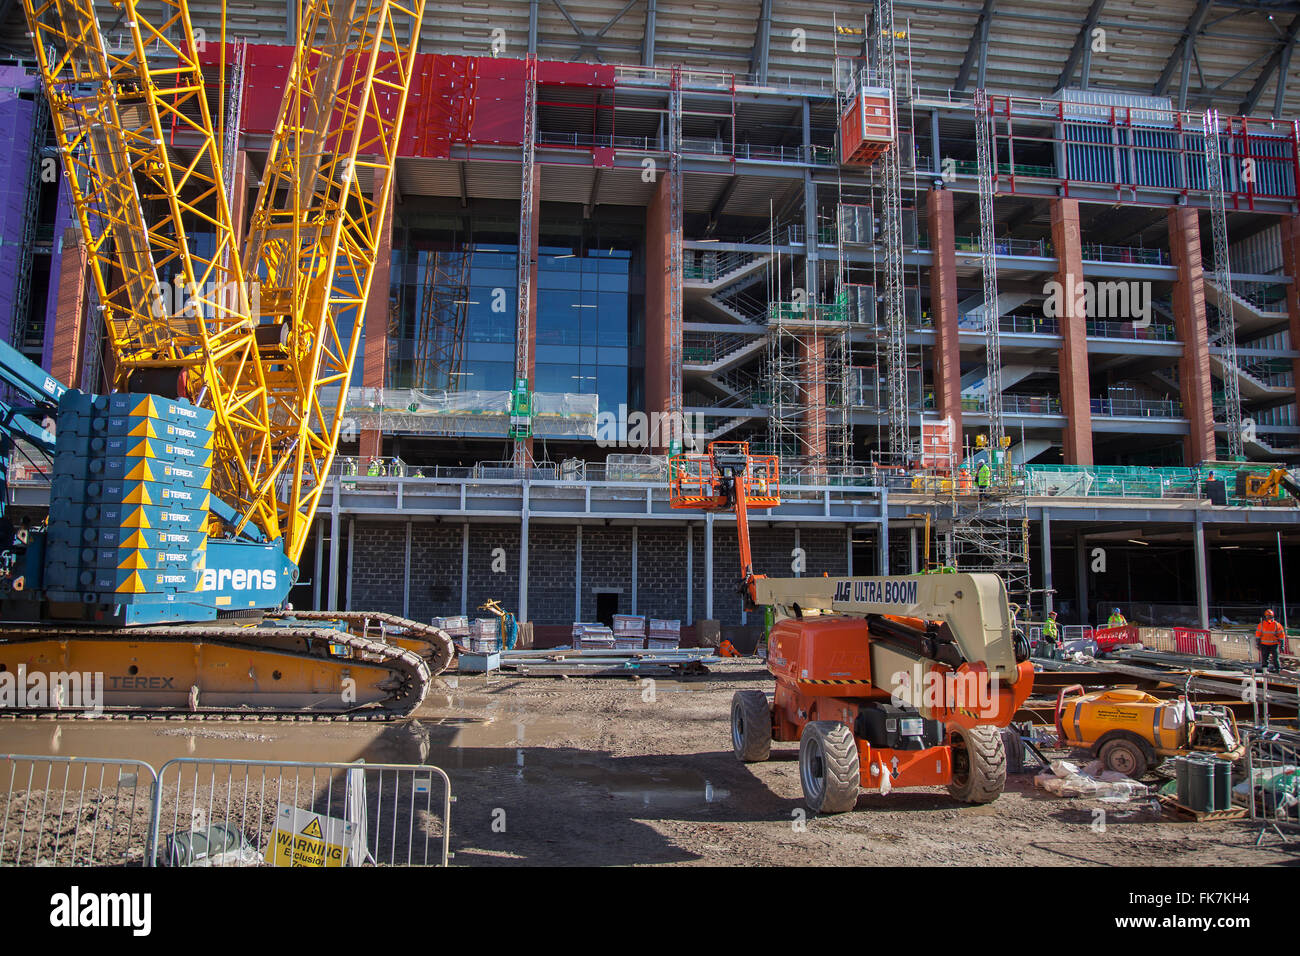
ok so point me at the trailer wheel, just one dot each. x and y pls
(979, 764)
(1125, 754)
(828, 766)
(751, 726)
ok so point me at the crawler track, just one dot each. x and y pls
(230, 671)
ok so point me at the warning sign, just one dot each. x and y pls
(304, 838)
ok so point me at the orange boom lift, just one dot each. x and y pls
(885, 682)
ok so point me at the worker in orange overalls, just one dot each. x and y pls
(1270, 635)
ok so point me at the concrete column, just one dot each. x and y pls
(797, 574)
(375, 354)
(943, 307)
(1202, 573)
(884, 531)
(577, 574)
(522, 614)
(320, 561)
(406, 575)
(690, 574)
(347, 588)
(1081, 572)
(708, 566)
(464, 568)
(634, 569)
(69, 331)
(1291, 265)
(848, 553)
(912, 547)
(1048, 602)
(333, 595)
(1195, 384)
(657, 233)
(1067, 238)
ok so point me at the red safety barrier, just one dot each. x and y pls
(1194, 641)
(1109, 638)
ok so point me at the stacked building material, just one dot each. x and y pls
(592, 637)
(629, 632)
(453, 627)
(664, 635)
(484, 636)
(129, 505)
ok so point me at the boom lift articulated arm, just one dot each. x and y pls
(728, 478)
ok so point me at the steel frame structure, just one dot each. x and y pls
(525, 259)
(1227, 333)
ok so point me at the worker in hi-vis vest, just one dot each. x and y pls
(1270, 635)
(1051, 632)
(983, 475)
(1116, 619)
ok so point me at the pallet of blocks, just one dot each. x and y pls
(664, 635)
(629, 632)
(592, 637)
(454, 627)
(484, 636)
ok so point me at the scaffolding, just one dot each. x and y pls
(808, 357)
(439, 339)
(27, 335)
(520, 415)
(675, 272)
(990, 531)
(898, 434)
(1223, 280)
(987, 170)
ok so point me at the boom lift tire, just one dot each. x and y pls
(828, 767)
(751, 726)
(979, 764)
(1125, 753)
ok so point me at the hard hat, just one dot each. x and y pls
(1051, 614)
(1114, 610)
(1268, 613)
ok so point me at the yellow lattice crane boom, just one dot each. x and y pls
(263, 333)
(268, 338)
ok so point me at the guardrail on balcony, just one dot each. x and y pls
(1137, 407)
(1154, 332)
(1096, 252)
(1039, 248)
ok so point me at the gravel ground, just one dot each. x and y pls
(615, 772)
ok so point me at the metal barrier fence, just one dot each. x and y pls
(218, 813)
(1271, 789)
(75, 811)
(300, 814)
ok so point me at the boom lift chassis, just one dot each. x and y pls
(885, 682)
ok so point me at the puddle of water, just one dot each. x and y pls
(655, 788)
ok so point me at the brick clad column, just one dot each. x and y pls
(374, 358)
(238, 199)
(1067, 239)
(943, 306)
(69, 332)
(1194, 382)
(812, 369)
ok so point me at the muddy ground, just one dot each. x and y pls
(602, 772)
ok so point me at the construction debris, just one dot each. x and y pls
(1068, 779)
